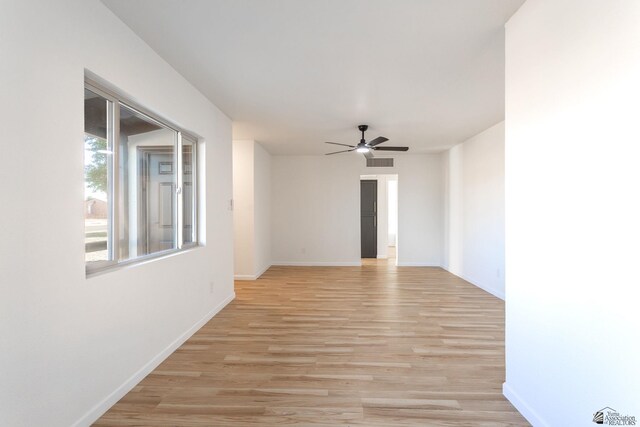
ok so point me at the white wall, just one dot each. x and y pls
(252, 209)
(262, 211)
(387, 213)
(572, 208)
(71, 346)
(382, 238)
(243, 209)
(474, 218)
(316, 209)
(419, 210)
(392, 215)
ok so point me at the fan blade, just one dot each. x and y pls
(390, 148)
(368, 154)
(378, 140)
(336, 152)
(337, 143)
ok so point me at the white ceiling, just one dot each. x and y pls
(294, 73)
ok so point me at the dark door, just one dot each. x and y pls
(368, 218)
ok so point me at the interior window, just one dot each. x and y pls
(140, 183)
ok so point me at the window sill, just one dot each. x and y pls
(140, 261)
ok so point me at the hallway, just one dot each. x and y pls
(374, 345)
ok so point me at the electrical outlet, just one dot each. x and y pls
(303, 250)
(210, 287)
(498, 273)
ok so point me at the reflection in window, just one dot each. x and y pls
(140, 183)
(97, 176)
(188, 190)
(147, 185)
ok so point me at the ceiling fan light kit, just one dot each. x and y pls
(365, 147)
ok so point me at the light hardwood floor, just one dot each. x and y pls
(364, 346)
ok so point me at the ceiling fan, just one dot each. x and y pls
(366, 148)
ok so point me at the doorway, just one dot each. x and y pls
(379, 217)
(368, 218)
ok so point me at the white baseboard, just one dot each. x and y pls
(525, 409)
(318, 264)
(416, 264)
(98, 410)
(251, 276)
(495, 292)
(261, 272)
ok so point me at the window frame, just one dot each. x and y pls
(115, 99)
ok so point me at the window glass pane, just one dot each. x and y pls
(147, 205)
(97, 179)
(132, 206)
(188, 190)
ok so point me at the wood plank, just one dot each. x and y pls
(376, 345)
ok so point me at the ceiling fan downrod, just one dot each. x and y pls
(363, 129)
